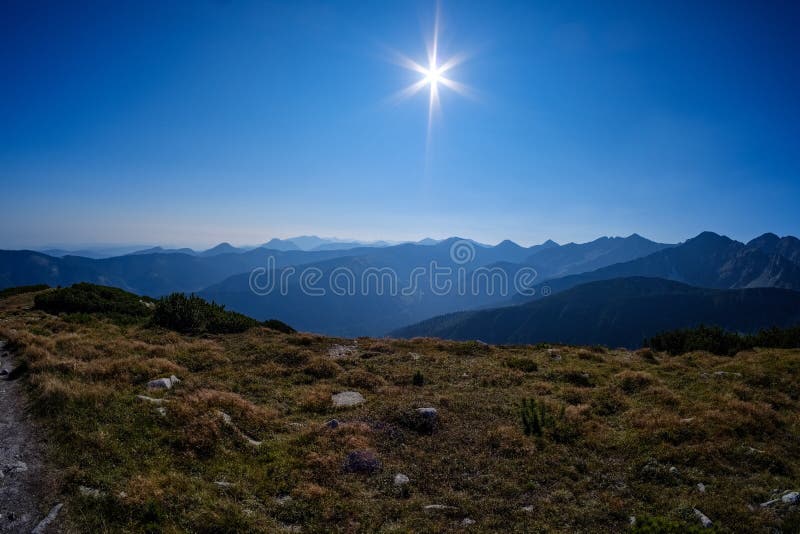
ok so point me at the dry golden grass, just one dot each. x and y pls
(628, 417)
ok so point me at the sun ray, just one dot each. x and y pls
(433, 74)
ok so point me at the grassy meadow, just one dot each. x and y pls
(526, 438)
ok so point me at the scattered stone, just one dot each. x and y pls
(362, 462)
(527, 509)
(704, 520)
(18, 466)
(225, 417)
(283, 499)
(632, 520)
(414, 356)
(673, 470)
(467, 522)
(337, 352)
(151, 399)
(160, 383)
(89, 492)
(401, 480)
(687, 420)
(701, 487)
(223, 484)
(161, 411)
(431, 413)
(229, 422)
(347, 398)
(791, 498)
(333, 423)
(41, 528)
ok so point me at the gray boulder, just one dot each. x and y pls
(347, 398)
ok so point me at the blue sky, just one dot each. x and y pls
(193, 123)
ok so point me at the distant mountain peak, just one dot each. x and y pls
(507, 243)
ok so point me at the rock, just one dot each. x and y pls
(401, 480)
(160, 383)
(333, 423)
(18, 466)
(89, 492)
(283, 499)
(687, 420)
(467, 522)
(223, 484)
(422, 420)
(527, 509)
(632, 520)
(701, 487)
(174, 379)
(791, 498)
(673, 470)
(3, 372)
(41, 528)
(338, 352)
(364, 462)
(225, 417)
(229, 422)
(347, 398)
(161, 411)
(704, 520)
(151, 399)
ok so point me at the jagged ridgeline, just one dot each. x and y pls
(182, 313)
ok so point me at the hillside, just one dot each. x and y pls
(245, 440)
(618, 312)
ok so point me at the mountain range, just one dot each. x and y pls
(223, 273)
(620, 312)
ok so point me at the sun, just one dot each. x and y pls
(434, 76)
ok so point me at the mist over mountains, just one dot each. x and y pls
(611, 290)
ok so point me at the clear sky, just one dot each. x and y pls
(193, 123)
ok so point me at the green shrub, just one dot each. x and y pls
(11, 291)
(193, 315)
(525, 365)
(719, 341)
(280, 326)
(91, 298)
(662, 525)
(538, 416)
(418, 379)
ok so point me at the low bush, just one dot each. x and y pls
(194, 315)
(19, 290)
(525, 365)
(721, 342)
(91, 298)
(538, 416)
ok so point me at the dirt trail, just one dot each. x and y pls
(23, 486)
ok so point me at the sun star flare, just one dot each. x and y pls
(433, 76)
